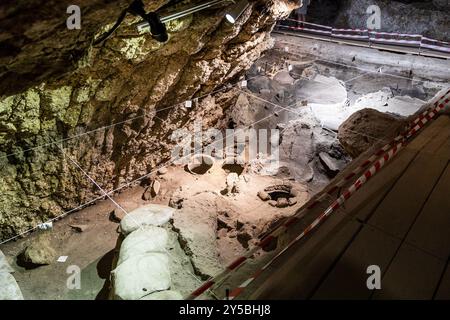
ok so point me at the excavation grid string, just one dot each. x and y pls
(78, 166)
(146, 113)
(107, 194)
(318, 58)
(122, 186)
(140, 178)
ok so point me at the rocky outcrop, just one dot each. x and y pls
(428, 18)
(366, 127)
(120, 99)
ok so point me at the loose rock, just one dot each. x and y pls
(152, 214)
(264, 196)
(39, 253)
(232, 180)
(162, 171)
(117, 215)
(273, 203)
(330, 164)
(282, 202)
(155, 188)
(79, 227)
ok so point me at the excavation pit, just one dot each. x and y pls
(233, 168)
(200, 164)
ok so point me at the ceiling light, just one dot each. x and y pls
(144, 25)
(236, 11)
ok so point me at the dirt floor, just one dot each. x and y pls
(215, 223)
(93, 249)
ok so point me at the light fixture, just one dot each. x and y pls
(236, 11)
(155, 23)
(144, 25)
(152, 19)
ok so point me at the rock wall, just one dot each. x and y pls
(428, 17)
(116, 98)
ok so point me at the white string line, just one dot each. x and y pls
(120, 207)
(122, 186)
(99, 129)
(357, 77)
(298, 114)
(93, 181)
(146, 175)
(347, 65)
(147, 113)
(229, 87)
(295, 104)
(131, 217)
(296, 74)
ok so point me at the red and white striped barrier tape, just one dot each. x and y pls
(331, 209)
(415, 40)
(415, 125)
(376, 167)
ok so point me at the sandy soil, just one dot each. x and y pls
(93, 250)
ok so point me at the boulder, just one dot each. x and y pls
(39, 253)
(367, 127)
(150, 215)
(146, 239)
(292, 201)
(152, 191)
(155, 188)
(141, 275)
(273, 203)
